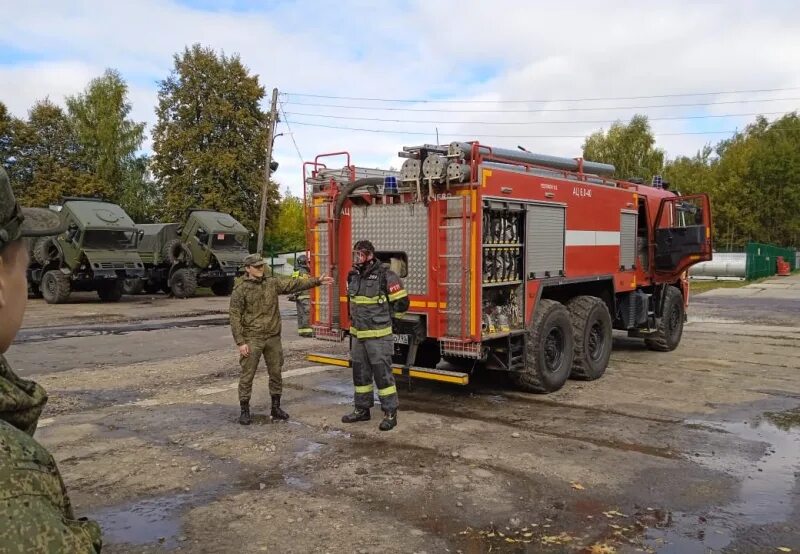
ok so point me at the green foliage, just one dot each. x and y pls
(753, 182)
(45, 162)
(108, 142)
(287, 231)
(210, 138)
(629, 147)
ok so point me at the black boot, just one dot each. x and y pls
(358, 414)
(277, 413)
(244, 418)
(389, 421)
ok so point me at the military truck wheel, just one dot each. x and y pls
(183, 283)
(549, 349)
(55, 287)
(670, 327)
(133, 286)
(110, 291)
(44, 250)
(591, 330)
(176, 252)
(223, 288)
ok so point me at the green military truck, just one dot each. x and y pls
(206, 251)
(96, 253)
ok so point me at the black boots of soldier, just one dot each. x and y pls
(389, 421)
(244, 418)
(277, 412)
(359, 414)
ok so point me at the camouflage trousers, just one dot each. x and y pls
(272, 351)
(372, 360)
(304, 316)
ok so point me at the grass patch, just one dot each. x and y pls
(698, 286)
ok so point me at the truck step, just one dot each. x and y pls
(441, 375)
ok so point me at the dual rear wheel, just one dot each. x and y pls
(566, 340)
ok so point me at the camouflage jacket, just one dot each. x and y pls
(300, 272)
(375, 294)
(35, 510)
(254, 305)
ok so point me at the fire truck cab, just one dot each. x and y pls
(513, 261)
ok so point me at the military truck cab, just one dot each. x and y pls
(206, 251)
(97, 252)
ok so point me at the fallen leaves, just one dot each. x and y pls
(602, 549)
(577, 486)
(784, 549)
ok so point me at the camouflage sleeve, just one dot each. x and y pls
(284, 285)
(236, 310)
(398, 297)
(34, 505)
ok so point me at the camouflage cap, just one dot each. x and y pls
(16, 222)
(253, 260)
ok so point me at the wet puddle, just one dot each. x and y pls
(765, 494)
(145, 522)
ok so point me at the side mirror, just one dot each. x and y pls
(141, 233)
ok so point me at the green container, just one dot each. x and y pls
(762, 259)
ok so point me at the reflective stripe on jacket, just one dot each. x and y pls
(374, 295)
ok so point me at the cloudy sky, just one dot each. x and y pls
(538, 74)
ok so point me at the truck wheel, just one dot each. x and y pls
(133, 286)
(183, 283)
(223, 288)
(55, 287)
(110, 291)
(670, 327)
(591, 331)
(549, 349)
(176, 252)
(44, 250)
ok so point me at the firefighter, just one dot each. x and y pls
(302, 299)
(256, 328)
(374, 293)
(35, 512)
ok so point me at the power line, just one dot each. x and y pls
(433, 101)
(605, 108)
(431, 133)
(291, 134)
(593, 121)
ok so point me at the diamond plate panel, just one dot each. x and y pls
(397, 228)
(324, 269)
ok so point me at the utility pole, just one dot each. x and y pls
(273, 118)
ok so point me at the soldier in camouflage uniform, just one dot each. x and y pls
(303, 299)
(35, 511)
(375, 294)
(256, 327)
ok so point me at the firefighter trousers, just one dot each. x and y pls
(304, 316)
(272, 350)
(372, 361)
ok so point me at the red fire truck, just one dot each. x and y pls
(513, 261)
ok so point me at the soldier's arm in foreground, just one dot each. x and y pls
(396, 293)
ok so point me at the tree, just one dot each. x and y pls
(629, 147)
(288, 230)
(210, 137)
(107, 139)
(47, 158)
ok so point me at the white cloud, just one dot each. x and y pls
(501, 50)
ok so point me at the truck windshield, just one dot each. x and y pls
(109, 240)
(228, 241)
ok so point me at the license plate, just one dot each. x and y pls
(400, 339)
